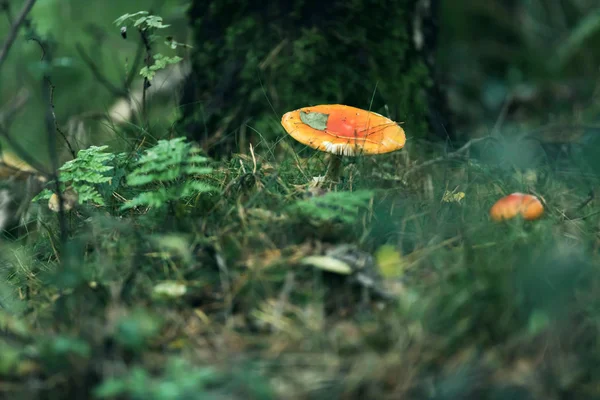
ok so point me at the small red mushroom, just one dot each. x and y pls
(525, 205)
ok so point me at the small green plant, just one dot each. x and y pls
(160, 62)
(332, 206)
(141, 20)
(85, 175)
(147, 25)
(170, 171)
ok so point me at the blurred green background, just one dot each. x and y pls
(68, 23)
(539, 53)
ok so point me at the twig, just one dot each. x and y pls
(23, 154)
(148, 62)
(14, 29)
(17, 103)
(133, 72)
(455, 154)
(5, 6)
(571, 214)
(502, 116)
(71, 150)
(117, 92)
(587, 201)
(51, 124)
(48, 90)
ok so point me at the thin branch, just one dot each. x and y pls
(56, 127)
(148, 62)
(117, 92)
(51, 124)
(48, 90)
(14, 29)
(456, 154)
(23, 154)
(7, 10)
(134, 71)
(11, 110)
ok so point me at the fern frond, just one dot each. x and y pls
(84, 175)
(333, 206)
(172, 168)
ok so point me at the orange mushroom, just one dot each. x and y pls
(343, 131)
(508, 207)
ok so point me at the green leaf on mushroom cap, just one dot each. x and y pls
(314, 119)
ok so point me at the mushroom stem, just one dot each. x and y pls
(333, 170)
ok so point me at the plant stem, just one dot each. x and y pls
(333, 170)
(14, 29)
(148, 62)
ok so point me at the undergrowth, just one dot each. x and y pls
(176, 276)
(188, 278)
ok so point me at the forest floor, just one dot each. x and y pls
(394, 283)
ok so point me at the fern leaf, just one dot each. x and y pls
(334, 206)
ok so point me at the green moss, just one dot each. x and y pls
(254, 65)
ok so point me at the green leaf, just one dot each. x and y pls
(43, 195)
(91, 170)
(160, 62)
(314, 119)
(172, 165)
(333, 206)
(125, 17)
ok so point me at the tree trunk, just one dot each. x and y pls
(252, 63)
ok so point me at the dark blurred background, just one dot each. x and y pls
(446, 69)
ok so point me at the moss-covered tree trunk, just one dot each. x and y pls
(254, 61)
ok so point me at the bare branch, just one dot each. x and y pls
(14, 29)
(117, 92)
(134, 71)
(23, 154)
(148, 62)
(50, 122)
(12, 109)
(456, 154)
(71, 150)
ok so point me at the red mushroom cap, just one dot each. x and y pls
(508, 207)
(344, 130)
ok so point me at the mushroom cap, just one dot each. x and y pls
(508, 207)
(344, 130)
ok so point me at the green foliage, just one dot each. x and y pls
(180, 380)
(334, 206)
(582, 32)
(160, 62)
(134, 331)
(170, 170)
(85, 174)
(141, 20)
(56, 352)
(148, 24)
